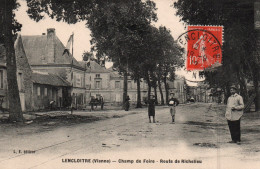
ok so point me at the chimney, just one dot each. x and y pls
(51, 31)
(51, 45)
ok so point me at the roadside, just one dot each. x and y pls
(46, 121)
(200, 133)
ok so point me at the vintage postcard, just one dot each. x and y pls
(122, 84)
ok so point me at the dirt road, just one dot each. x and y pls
(198, 139)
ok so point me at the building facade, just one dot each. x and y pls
(46, 54)
(35, 90)
(24, 77)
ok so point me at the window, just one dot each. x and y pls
(98, 85)
(1, 79)
(129, 85)
(38, 90)
(82, 82)
(118, 98)
(74, 80)
(97, 75)
(178, 86)
(45, 91)
(20, 78)
(117, 84)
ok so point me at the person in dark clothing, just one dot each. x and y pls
(151, 108)
(127, 104)
(102, 102)
(173, 102)
(92, 102)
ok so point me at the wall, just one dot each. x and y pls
(42, 101)
(65, 72)
(3, 91)
(92, 90)
(24, 69)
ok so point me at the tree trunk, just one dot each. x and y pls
(125, 88)
(160, 88)
(243, 88)
(155, 94)
(256, 87)
(139, 103)
(227, 93)
(166, 89)
(15, 111)
(149, 87)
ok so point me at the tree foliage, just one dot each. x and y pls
(240, 60)
(117, 29)
(122, 31)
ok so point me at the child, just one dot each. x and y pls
(151, 108)
(173, 102)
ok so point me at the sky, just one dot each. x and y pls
(165, 12)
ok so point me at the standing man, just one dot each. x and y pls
(92, 101)
(127, 103)
(173, 102)
(102, 102)
(234, 112)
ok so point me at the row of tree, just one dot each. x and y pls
(120, 29)
(241, 46)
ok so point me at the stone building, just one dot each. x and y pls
(35, 90)
(45, 53)
(49, 88)
(24, 77)
(177, 87)
(108, 83)
(97, 80)
(117, 85)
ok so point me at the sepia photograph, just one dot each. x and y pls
(123, 84)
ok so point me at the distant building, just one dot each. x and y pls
(97, 80)
(177, 87)
(108, 83)
(117, 86)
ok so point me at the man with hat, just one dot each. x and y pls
(173, 102)
(234, 112)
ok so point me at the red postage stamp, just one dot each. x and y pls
(204, 46)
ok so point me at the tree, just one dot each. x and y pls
(240, 54)
(172, 58)
(169, 56)
(115, 25)
(8, 28)
(117, 28)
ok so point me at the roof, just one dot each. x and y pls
(19, 53)
(115, 74)
(36, 50)
(94, 67)
(49, 79)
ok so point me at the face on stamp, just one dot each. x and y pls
(204, 45)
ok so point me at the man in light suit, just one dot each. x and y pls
(234, 112)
